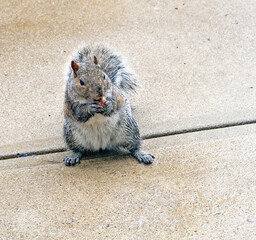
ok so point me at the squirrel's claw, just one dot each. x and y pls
(142, 157)
(71, 160)
(107, 108)
(94, 108)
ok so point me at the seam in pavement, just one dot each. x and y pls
(32, 153)
(150, 136)
(199, 129)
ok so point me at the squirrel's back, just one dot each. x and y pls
(111, 63)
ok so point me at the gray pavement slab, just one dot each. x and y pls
(201, 186)
(195, 61)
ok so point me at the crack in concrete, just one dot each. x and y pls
(199, 129)
(150, 136)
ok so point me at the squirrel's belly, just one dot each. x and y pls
(99, 133)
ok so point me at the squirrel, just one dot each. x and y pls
(97, 114)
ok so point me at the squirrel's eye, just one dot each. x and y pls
(81, 83)
(104, 76)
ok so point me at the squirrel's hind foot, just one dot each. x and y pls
(72, 159)
(142, 157)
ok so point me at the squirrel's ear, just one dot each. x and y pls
(75, 67)
(95, 60)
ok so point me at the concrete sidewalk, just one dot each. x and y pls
(201, 186)
(195, 62)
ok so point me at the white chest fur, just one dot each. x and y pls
(99, 132)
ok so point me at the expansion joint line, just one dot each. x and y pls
(150, 136)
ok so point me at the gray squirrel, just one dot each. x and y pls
(97, 114)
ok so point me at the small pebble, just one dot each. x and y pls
(69, 222)
(250, 220)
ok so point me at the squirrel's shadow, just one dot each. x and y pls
(105, 155)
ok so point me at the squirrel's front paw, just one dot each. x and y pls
(108, 108)
(94, 108)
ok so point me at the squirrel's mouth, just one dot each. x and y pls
(100, 101)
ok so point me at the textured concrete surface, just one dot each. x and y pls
(201, 186)
(195, 61)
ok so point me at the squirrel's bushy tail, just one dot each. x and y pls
(111, 63)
